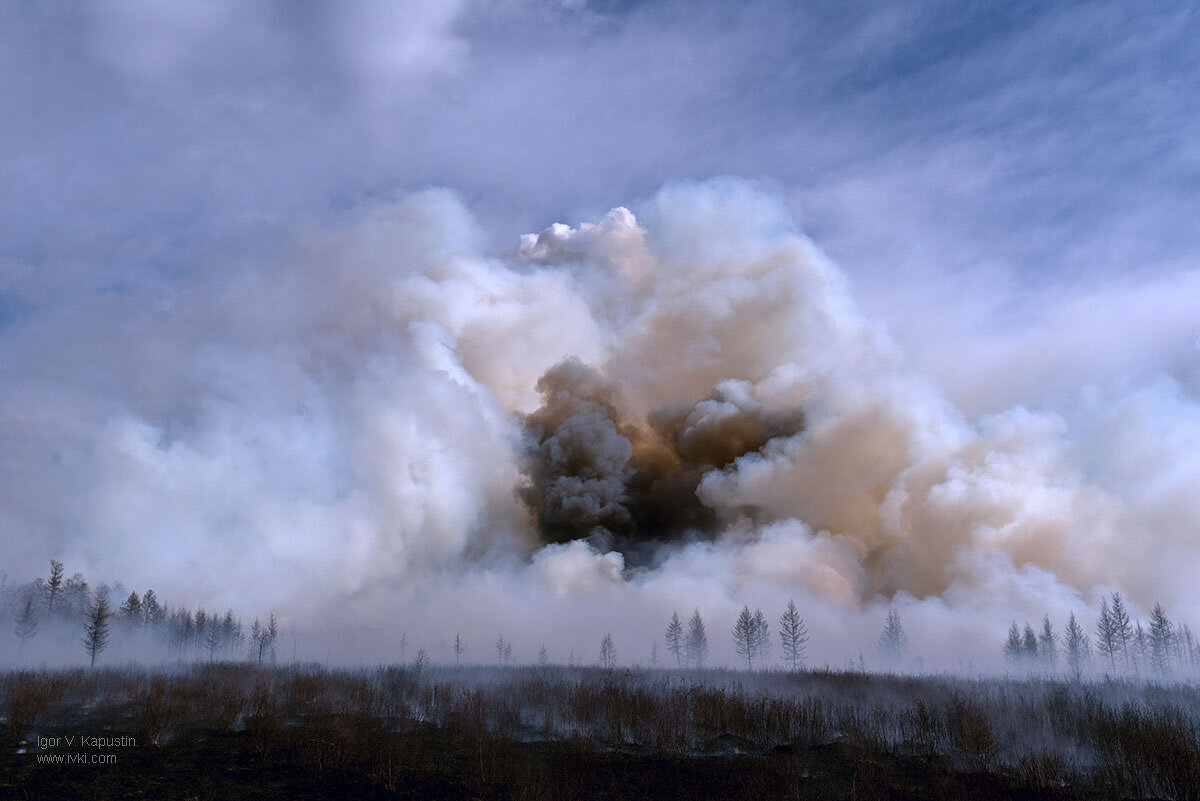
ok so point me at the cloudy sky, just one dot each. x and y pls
(1009, 192)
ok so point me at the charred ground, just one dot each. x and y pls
(305, 732)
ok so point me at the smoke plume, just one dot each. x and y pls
(675, 409)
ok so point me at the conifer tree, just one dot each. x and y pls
(675, 638)
(1014, 651)
(27, 621)
(131, 609)
(608, 652)
(1048, 644)
(893, 642)
(1076, 646)
(152, 613)
(1106, 635)
(1123, 632)
(54, 584)
(1160, 641)
(792, 636)
(697, 642)
(1029, 646)
(762, 637)
(745, 637)
(95, 637)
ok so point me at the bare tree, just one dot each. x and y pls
(654, 654)
(543, 656)
(608, 652)
(697, 642)
(792, 636)
(500, 649)
(893, 642)
(54, 584)
(675, 638)
(27, 621)
(458, 648)
(95, 633)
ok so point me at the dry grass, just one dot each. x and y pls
(1112, 739)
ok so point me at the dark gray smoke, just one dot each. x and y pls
(594, 474)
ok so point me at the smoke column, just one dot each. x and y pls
(642, 414)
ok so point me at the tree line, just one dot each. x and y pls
(1121, 645)
(1118, 645)
(183, 632)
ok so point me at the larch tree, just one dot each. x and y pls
(674, 639)
(54, 584)
(212, 641)
(608, 652)
(1106, 635)
(27, 621)
(272, 635)
(1160, 640)
(745, 637)
(1123, 633)
(793, 635)
(1048, 644)
(1029, 646)
(152, 612)
(1014, 653)
(1076, 646)
(762, 635)
(131, 610)
(256, 637)
(697, 642)
(893, 642)
(1141, 648)
(95, 632)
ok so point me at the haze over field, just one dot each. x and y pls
(442, 317)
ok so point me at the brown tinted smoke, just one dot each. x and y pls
(593, 473)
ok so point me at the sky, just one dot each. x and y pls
(220, 224)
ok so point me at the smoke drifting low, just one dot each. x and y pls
(648, 413)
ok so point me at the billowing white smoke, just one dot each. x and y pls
(346, 434)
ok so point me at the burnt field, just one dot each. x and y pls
(306, 732)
